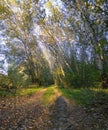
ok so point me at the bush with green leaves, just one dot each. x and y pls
(18, 78)
(4, 82)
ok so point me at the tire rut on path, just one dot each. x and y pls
(59, 112)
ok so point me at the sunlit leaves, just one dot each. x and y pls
(49, 4)
(53, 12)
(4, 10)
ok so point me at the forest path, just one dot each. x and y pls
(66, 115)
(29, 113)
(58, 112)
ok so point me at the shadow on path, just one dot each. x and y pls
(59, 114)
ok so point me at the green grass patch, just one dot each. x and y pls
(48, 96)
(27, 91)
(100, 90)
(19, 92)
(80, 96)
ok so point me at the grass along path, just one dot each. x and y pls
(50, 95)
(80, 96)
(28, 91)
(20, 92)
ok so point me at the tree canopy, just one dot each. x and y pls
(63, 42)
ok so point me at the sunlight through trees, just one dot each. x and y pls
(62, 42)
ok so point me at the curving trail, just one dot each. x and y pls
(29, 113)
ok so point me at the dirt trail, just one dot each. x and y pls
(21, 113)
(29, 113)
(59, 114)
